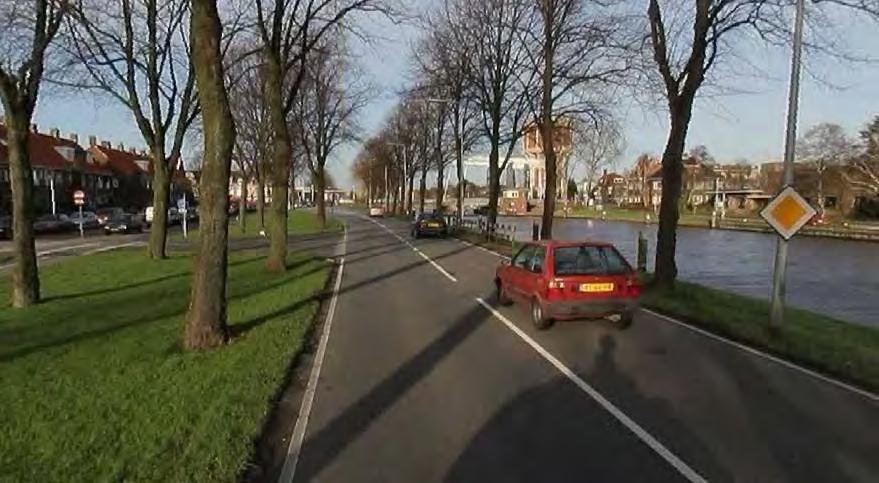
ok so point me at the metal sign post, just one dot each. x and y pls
(181, 207)
(776, 312)
(79, 200)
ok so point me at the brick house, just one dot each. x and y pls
(60, 166)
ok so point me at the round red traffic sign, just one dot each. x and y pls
(79, 197)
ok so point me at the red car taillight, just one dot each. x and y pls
(555, 289)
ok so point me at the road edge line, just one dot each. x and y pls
(608, 406)
(297, 438)
(765, 355)
(746, 348)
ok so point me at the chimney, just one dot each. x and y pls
(121, 147)
(106, 144)
(74, 137)
(132, 150)
(93, 141)
(55, 133)
(35, 128)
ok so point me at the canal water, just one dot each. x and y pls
(832, 276)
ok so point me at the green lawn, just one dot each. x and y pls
(833, 346)
(299, 222)
(95, 386)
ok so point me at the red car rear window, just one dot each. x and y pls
(588, 260)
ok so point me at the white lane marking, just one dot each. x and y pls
(767, 356)
(288, 471)
(437, 266)
(482, 248)
(114, 247)
(756, 352)
(630, 424)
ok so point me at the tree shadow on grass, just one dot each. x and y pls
(111, 315)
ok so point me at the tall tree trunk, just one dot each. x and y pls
(320, 185)
(206, 320)
(422, 190)
(459, 165)
(494, 174)
(280, 168)
(547, 127)
(161, 196)
(440, 183)
(672, 177)
(821, 201)
(25, 277)
(411, 192)
(261, 199)
(242, 206)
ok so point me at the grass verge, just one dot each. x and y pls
(299, 222)
(829, 345)
(832, 346)
(97, 388)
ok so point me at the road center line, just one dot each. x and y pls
(437, 266)
(288, 471)
(630, 424)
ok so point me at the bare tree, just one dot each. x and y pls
(495, 67)
(206, 319)
(595, 148)
(28, 29)
(137, 52)
(444, 63)
(686, 54)
(824, 145)
(863, 172)
(326, 111)
(579, 54)
(252, 143)
(288, 33)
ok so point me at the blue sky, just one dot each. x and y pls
(732, 126)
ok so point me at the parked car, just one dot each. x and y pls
(376, 212)
(569, 280)
(53, 224)
(106, 214)
(89, 219)
(174, 216)
(429, 224)
(481, 210)
(124, 223)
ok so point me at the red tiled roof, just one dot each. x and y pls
(119, 161)
(42, 150)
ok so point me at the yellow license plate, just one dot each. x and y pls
(433, 225)
(596, 287)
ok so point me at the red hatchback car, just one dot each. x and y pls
(569, 280)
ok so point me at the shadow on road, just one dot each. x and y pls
(325, 445)
(555, 433)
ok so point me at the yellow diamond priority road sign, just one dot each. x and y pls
(788, 212)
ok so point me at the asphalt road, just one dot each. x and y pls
(55, 247)
(422, 382)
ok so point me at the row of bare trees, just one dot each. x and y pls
(271, 82)
(501, 65)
